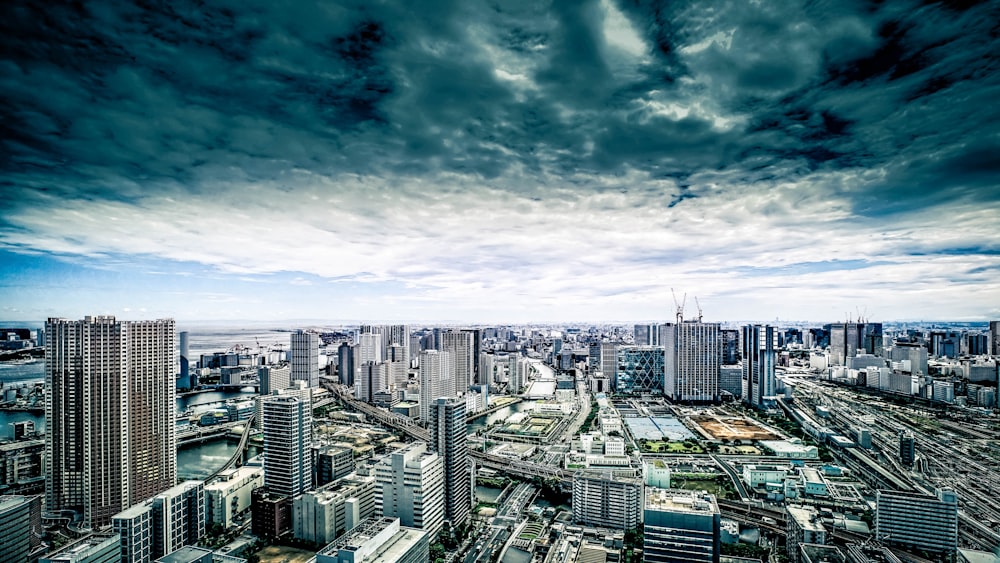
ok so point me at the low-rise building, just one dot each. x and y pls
(756, 476)
(323, 515)
(378, 540)
(229, 496)
(803, 526)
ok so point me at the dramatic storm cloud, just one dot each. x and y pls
(500, 160)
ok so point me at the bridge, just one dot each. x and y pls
(198, 434)
(240, 450)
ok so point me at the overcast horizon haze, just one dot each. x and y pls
(514, 162)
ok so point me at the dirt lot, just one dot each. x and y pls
(732, 428)
(282, 554)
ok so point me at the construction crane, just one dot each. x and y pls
(680, 306)
(699, 307)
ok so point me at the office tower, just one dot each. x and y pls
(907, 449)
(305, 357)
(847, 338)
(730, 346)
(178, 517)
(436, 379)
(487, 369)
(378, 540)
(606, 500)
(647, 335)
(918, 521)
(731, 380)
(911, 357)
(372, 378)
(461, 349)
(332, 463)
(995, 338)
(409, 485)
(802, 525)
(604, 359)
(21, 525)
(101, 548)
(322, 515)
(273, 378)
(681, 527)
(692, 361)
(109, 408)
(872, 339)
(975, 344)
(369, 348)
(640, 369)
(287, 428)
(390, 335)
(229, 495)
(348, 358)
(759, 344)
(185, 354)
(448, 439)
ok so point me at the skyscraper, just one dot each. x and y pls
(758, 352)
(730, 347)
(109, 408)
(461, 349)
(448, 439)
(692, 359)
(287, 428)
(435, 378)
(845, 340)
(409, 485)
(305, 357)
(389, 335)
(995, 338)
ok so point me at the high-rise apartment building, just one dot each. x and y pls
(305, 357)
(681, 527)
(372, 378)
(287, 428)
(759, 345)
(178, 517)
(436, 379)
(692, 359)
(390, 335)
(109, 409)
(448, 439)
(158, 526)
(607, 500)
(919, 521)
(460, 346)
(409, 485)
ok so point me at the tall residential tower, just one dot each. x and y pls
(109, 408)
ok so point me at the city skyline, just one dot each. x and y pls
(475, 163)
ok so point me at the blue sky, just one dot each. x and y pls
(499, 162)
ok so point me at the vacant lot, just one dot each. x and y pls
(732, 428)
(284, 554)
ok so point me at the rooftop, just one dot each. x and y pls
(675, 500)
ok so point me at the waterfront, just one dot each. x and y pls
(497, 416)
